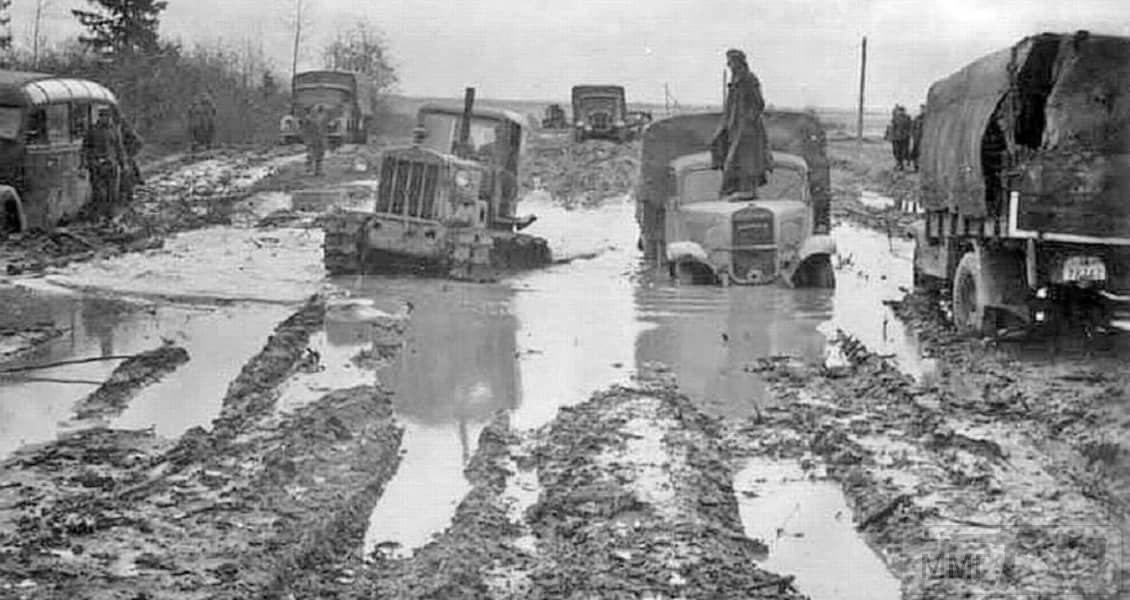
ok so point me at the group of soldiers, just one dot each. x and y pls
(905, 135)
(109, 153)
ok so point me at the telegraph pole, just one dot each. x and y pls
(297, 38)
(35, 34)
(862, 81)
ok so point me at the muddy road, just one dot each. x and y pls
(592, 428)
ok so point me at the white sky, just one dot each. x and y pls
(806, 52)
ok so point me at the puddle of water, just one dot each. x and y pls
(550, 338)
(420, 500)
(336, 371)
(280, 265)
(808, 528)
(875, 200)
(874, 269)
(218, 340)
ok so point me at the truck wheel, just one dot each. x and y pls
(12, 218)
(816, 272)
(969, 305)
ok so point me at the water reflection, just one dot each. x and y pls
(708, 335)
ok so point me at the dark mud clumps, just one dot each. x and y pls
(585, 173)
(254, 393)
(128, 379)
(610, 532)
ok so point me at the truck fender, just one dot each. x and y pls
(682, 251)
(12, 217)
(815, 245)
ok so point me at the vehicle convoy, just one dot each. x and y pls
(43, 122)
(600, 112)
(349, 101)
(554, 118)
(446, 203)
(783, 235)
(1026, 185)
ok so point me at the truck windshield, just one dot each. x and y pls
(444, 128)
(328, 96)
(784, 184)
(701, 186)
(10, 122)
(602, 103)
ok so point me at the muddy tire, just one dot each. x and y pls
(969, 307)
(12, 219)
(519, 251)
(816, 272)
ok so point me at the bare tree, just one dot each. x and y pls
(5, 22)
(362, 49)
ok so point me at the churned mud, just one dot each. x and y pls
(627, 495)
(128, 378)
(247, 508)
(180, 196)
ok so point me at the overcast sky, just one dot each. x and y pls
(805, 52)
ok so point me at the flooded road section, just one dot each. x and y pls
(529, 345)
(551, 338)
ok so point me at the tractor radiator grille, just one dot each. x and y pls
(408, 188)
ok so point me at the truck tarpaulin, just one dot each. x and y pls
(1062, 104)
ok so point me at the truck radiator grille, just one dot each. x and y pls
(754, 253)
(600, 120)
(407, 188)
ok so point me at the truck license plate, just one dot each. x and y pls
(1084, 268)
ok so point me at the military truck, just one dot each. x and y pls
(348, 100)
(1026, 185)
(783, 235)
(43, 121)
(554, 118)
(444, 204)
(599, 112)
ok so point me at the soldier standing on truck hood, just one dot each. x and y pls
(741, 146)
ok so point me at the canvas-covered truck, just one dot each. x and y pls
(554, 118)
(1026, 185)
(783, 235)
(444, 204)
(600, 112)
(349, 101)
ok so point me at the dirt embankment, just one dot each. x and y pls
(129, 378)
(183, 193)
(870, 168)
(629, 493)
(585, 173)
(244, 510)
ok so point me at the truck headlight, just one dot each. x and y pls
(619, 122)
(462, 179)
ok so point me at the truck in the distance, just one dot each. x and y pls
(1026, 186)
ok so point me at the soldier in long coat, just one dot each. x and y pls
(103, 156)
(741, 145)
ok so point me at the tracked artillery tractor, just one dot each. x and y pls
(446, 204)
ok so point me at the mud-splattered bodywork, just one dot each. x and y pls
(682, 219)
(442, 203)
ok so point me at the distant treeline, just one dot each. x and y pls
(156, 89)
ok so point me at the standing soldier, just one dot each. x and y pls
(314, 136)
(103, 156)
(916, 136)
(208, 119)
(131, 146)
(898, 132)
(741, 145)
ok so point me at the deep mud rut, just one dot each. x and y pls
(619, 435)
